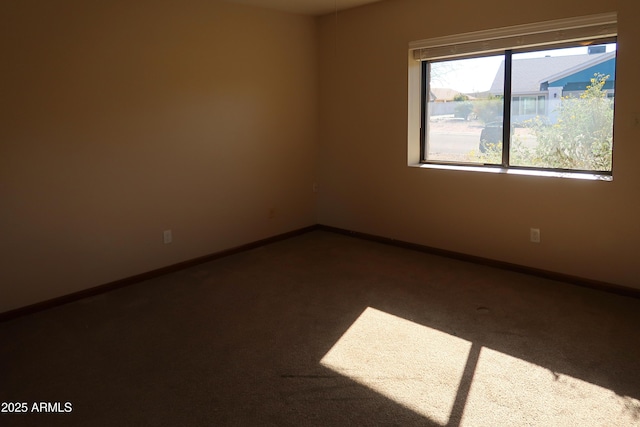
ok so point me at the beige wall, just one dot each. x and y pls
(121, 119)
(589, 229)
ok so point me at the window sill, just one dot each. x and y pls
(526, 172)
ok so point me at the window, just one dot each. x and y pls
(558, 78)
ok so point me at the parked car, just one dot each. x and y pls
(491, 134)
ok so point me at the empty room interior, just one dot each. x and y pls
(233, 213)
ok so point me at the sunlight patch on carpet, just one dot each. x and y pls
(422, 369)
(505, 387)
(413, 365)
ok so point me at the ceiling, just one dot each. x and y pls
(306, 7)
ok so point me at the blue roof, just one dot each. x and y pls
(529, 73)
(607, 67)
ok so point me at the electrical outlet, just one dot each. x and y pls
(535, 235)
(167, 236)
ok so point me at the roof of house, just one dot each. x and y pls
(447, 94)
(443, 93)
(528, 73)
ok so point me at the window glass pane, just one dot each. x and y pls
(528, 106)
(565, 117)
(465, 104)
(542, 105)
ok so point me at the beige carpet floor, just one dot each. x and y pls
(327, 330)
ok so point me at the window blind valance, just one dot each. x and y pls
(585, 30)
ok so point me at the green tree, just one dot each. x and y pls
(463, 107)
(582, 137)
(489, 109)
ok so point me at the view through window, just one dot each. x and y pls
(560, 114)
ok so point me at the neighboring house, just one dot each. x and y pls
(442, 94)
(538, 84)
(442, 100)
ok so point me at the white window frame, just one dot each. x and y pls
(546, 35)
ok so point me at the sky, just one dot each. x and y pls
(477, 74)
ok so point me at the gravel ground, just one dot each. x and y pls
(456, 125)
